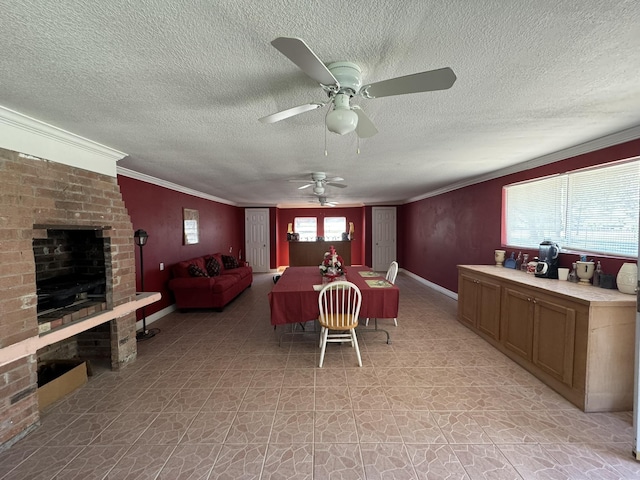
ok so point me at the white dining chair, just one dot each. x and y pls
(339, 304)
(390, 277)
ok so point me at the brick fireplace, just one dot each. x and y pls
(40, 200)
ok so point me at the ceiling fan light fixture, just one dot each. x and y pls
(342, 119)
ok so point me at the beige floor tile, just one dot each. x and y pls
(239, 462)
(288, 461)
(190, 462)
(435, 462)
(208, 428)
(338, 460)
(485, 461)
(230, 401)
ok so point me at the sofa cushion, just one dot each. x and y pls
(223, 283)
(213, 266)
(195, 271)
(240, 272)
(229, 262)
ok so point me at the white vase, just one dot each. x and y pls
(627, 278)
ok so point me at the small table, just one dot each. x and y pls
(294, 300)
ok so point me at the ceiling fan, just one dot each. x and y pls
(324, 201)
(343, 80)
(319, 181)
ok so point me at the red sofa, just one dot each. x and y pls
(211, 281)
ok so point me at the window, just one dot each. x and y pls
(334, 227)
(593, 210)
(306, 227)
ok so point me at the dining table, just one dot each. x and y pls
(294, 297)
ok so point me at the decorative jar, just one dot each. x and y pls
(627, 278)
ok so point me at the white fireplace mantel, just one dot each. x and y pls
(32, 137)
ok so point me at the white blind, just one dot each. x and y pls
(535, 211)
(334, 227)
(307, 227)
(593, 210)
(603, 209)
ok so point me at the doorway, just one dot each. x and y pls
(384, 237)
(257, 246)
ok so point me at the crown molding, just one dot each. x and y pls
(587, 147)
(29, 136)
(143, 177)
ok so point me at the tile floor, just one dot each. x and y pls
(214, 396)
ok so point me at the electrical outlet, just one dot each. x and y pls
(230, 249)
(161, 266)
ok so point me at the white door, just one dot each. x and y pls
(384, 237)
(256, 235)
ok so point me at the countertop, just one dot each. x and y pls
(583, 293)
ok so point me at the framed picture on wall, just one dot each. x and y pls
(191, 228)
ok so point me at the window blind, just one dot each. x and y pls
(591, 211)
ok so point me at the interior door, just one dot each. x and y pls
(257, 238)
(384, 237)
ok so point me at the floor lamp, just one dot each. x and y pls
(141, 238)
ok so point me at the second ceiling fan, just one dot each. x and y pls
(319, 181)
(343, 80)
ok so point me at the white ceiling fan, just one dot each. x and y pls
(324, 202)
(319, 181)
(343, 80)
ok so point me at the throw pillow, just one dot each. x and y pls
(196, 271)
(213, 266)
(229, 262)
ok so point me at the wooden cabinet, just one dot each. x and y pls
(539, 330)
(517, 323)
(480, 305)
(554, 338)
(310, 254)
(578, 339)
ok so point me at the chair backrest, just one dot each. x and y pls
(392, 272)
(339, 304)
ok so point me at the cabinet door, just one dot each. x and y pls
(553, 339)
(468, 300)
(489, 309)
(517, 322)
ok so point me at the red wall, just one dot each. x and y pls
(286, 216)
(463, 226)
(158, 210)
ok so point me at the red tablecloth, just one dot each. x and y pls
(294, 300)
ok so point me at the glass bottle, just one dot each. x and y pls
(525, 261)
(573, 274)
(519, 261)
(596, 275)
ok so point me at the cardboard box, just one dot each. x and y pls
(59, 378)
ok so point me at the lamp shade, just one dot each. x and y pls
(141, 237)
(342, 120)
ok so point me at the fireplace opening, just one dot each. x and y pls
(71, 274)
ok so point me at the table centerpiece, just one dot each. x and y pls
(332, 265)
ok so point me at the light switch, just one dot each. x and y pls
(162, 266)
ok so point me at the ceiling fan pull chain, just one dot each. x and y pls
(358, 146)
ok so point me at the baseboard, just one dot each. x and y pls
(432, 285)
(157, 316)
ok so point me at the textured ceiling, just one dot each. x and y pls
(180, 85)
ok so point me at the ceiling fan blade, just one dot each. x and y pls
(290, 112)
(339, 185)
(335, 179)
(299, 53)
(365, 128)
(429, 81)
(304, 186)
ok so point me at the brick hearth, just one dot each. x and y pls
(36, 192)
